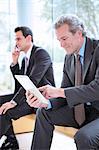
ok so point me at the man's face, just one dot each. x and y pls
(20, 41)
(69, 41)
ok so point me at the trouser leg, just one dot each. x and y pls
(6, 129)
(5, 125)
(87, 138)
(5, 122)
(14, 113)
(5, 98)
(44, 126)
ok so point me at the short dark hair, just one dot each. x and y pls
(25, 30)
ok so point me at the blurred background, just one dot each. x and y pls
(39, 15)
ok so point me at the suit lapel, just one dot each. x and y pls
(87, 57)
(71, 68)
(31, 61)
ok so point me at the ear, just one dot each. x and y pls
(28, 38)
(79, 33)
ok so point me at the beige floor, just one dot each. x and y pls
(60, 142)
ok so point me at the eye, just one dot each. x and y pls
(18, 39)
(65, 38)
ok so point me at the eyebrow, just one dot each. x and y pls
(64, 37)
(18, 38)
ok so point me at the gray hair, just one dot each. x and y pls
(72, 21)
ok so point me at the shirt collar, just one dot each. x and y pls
(81, 52)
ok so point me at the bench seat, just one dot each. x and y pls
(26, 124)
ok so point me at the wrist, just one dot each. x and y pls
(13, 64)
(61, 93)
(13, 102)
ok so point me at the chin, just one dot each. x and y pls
(69, 52)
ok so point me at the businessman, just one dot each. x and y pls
(38, 66)
(76, 103)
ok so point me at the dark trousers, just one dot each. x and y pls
(23, 109)
(87, 137)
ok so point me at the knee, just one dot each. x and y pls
(84, 140)
(81, 138)
(40, 112)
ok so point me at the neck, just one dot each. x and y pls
(80, 45)
(28, 47)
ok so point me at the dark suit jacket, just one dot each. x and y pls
(89, 91)
(39, 70)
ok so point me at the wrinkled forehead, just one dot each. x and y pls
(62, 31)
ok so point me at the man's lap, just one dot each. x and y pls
(63, 116)
(5, 98)
(19, 111)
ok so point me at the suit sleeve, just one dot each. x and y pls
(15, 70)
(88, 92)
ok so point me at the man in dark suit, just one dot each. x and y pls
(40, 71)
(71, 34)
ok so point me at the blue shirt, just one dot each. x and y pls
(81, 52)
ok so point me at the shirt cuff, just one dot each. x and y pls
(12, 64)
(49, 105)
(13, 102)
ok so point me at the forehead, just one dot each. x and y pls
(62, 31)
(18, 34)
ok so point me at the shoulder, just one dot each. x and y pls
(40, 53)
(93, 42)
(40, 50)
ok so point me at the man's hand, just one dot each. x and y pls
(34, 101)
(15, 55)
(52, 92)
(6, 106)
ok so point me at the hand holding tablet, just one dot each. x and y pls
(28, 85)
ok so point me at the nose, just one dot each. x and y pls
(62, 43)
(17, 42)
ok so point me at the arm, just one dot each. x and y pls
(6, 106)
(5, 103)
(48, 92)
(12, 101)
(41, 72)
(15, 66)
(89, 91)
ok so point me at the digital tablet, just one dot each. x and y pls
(28, 85)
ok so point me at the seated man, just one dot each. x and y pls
(76, 103)
(40, 71)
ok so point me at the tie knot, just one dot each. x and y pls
(26, 59)
(77, 56)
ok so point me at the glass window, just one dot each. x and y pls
(40, 15)
(7, 23)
